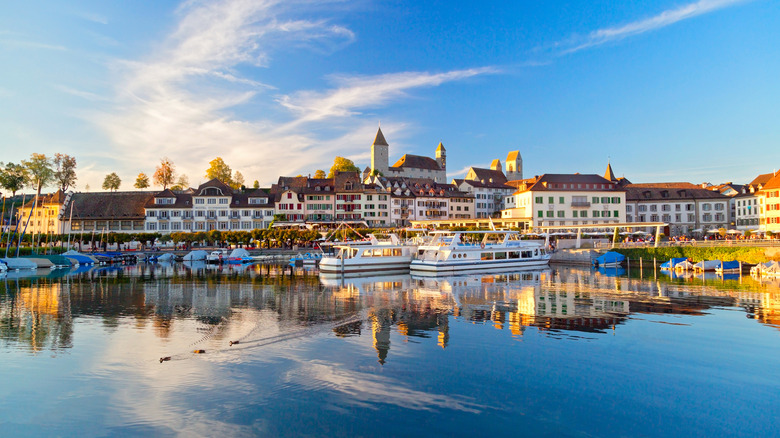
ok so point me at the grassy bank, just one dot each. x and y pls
(743, 254)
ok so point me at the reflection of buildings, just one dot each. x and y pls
(36, 314)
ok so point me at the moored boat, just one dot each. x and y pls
(463, 251)
(377, 257)
(609, 259)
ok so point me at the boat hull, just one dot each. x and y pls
(453, 267)
(330, 265)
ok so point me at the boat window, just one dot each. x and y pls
(536, 252)
(378, 252)
(387, 252)
(500, 256)
(527, 254)
(397, 251)
(353, 252)
(487, 256)
(514, 254)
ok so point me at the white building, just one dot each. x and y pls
(684, 206)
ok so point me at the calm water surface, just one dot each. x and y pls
(557, 352)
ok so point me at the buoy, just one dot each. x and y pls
(199, 351)
(233, 342)
(166, 358)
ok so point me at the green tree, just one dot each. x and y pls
(219, 170)
(238, 180)
(256, 184)
(112, 182)
(12, 177)
(319, 174)
(39, 171)
(182, 183)
(64, 171)
(165, 173)
(341, 164)
(142, 181)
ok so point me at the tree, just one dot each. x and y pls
(256, 184)
(39, 171)
(238, 180)
(342, 164)
(64, 171)
(12, 177)
(165, 173)
(182, 183)
(142, 181)
(112, 182)
(219, 170)
(319, 174)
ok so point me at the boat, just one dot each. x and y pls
(377, 257)
(463, 251)
(239, 256)
(79, 259)
(609, 259)
(19, 264)
(730, 267)
(217, 256)
(162, 258)
(768, 269)
(672, 263)
(3, 267)
(195, 255)
(706, 265)
(684, 265)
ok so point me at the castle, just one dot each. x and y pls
(408, 166)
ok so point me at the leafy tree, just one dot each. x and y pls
(64, 171)
(182, 183)
(13, 177)
(142, 181)
(39, 171)
(165, 173)
(112, 182)
(238, 180)
(319, 174)
(342, 164)
(256, 184)
(219, 170)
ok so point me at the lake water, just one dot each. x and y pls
(557, 352)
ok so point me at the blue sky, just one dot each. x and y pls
(667, 91)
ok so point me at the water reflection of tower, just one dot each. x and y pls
(381, 321)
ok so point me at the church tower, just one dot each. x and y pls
(380, 160)
(514, 166)
(441, 156)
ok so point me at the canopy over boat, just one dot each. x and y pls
(196, 255)
(670, 264)
(610, 258)
(239, 253)
(19, 263)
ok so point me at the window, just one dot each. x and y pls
(211, 201)
(550, 213)
(595, 213)
(540, 213)
(199, 200)
(560, 200)
(560, 213)
(223, 200)
(584, 213)
(551, 200)
(615, 213)
(595, 200)
(574, 213)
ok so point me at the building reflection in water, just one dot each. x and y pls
(38, 313)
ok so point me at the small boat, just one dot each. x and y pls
(609, 259)
(768, 269)
(196, 255)
(730, 267)
(463, 251)
(684, 265)
(78, 258)
(706, 265)
(216, 257)
(19, 264)
(166, 257)
(239, 256)
(672, 263)
(3, 267)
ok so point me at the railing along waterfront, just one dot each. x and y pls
(696, 243)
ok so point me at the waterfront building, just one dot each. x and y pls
(770, 192)
(749, 205)
(489, 187)
(62, 213)
(212, 206)
(567, 199)
(423, 199)
(686, 207)
(408, 166)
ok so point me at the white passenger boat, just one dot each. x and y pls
(468, 251)
(378, 257)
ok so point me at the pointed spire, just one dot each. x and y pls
(380, 138)
(440, 147)
(609, 174)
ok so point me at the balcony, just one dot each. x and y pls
(585, 204)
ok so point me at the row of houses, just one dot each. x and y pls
(412, 190)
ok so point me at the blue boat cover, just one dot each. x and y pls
(610, 257)
(734, 264)
(81, 259)
(674, 261)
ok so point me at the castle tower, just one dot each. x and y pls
(441, 156)
(380, 160)
(514, 166)
(609, 174)
(495, 165)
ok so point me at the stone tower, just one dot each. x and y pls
(514, 166)
(380, 161)
(441, 156)
(495, 165)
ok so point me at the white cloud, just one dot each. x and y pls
(663, 19)
(184, 101)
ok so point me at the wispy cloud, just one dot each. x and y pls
(185, 101)
(663, 19)
(20, 44)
